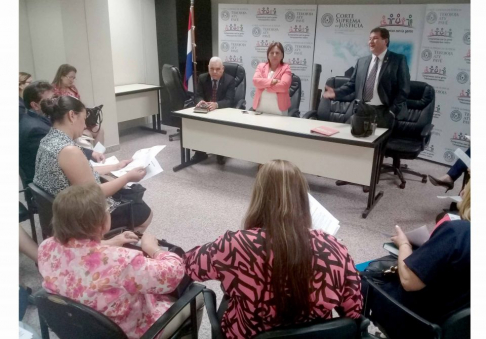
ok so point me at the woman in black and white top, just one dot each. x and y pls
(60, 163)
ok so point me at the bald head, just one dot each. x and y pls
(216, 68)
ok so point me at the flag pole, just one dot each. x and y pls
(193, 35)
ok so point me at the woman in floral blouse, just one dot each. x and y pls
(119, 282)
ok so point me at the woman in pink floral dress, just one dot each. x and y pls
(119, 282)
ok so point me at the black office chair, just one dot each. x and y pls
(333, 110)
(70, 319)
(31, 208)
(340, 328)
(238, 72)
(412, 133)
(179, 98)
(315, 93)
(43, 202)
(295, 93)
(398, 322)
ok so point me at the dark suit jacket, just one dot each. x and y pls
(32, 129)
(226, 90)
(393, 82)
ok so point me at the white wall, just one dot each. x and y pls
(75, 32)
(134, 41)
(26, 58)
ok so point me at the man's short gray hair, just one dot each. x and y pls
(216, 59)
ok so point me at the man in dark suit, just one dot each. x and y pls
(215, 89)
(33, 127)
(381, 80)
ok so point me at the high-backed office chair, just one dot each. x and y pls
(179, 98)
(333, 110)
(412, 133)
(315, 93)
(238, 72)
(70, 319)
(398, 322)
(340, 328)
(295, 93)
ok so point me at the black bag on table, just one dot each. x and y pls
(364, 115)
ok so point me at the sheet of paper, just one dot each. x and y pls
(454, 216)
(418, 236)
(141, 158)
(463, 156)
(108, 161)
(99, 148)
(152, 169)
(455, 198)
(321, 218)
(24, 334)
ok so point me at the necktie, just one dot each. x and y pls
(215, 91)
(370, 82)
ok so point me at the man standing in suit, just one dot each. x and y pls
(34, 125)
(381, 80)
(216, 90)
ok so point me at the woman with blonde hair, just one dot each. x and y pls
(119, 282)
(25, 79)
(277, 270)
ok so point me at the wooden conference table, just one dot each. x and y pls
(261, 138)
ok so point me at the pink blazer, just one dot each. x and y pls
(282, 88)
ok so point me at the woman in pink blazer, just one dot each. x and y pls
(272, 80)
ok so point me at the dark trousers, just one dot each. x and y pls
(458, 168)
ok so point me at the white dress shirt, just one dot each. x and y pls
(375, 101)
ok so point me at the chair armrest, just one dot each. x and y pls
(241, 104)
(210, 303)
(294, 112)
(426, 134)
(363, 324)
(189, 296)
(310, 115)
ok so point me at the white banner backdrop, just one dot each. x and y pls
(444, 63)
(245, 31)
(343, 31)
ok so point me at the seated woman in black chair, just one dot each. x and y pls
(434, 280)
(119, 282)
(60, 163)
(277, 270)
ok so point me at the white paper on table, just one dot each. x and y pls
(321, 218)
(463, 156)
(99, 148)
(141, 158)
(24, 334)
(455, 198)
(108, 161)
(152, 169)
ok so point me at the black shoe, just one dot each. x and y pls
(221, 160)
(199, 156)
(437, 182)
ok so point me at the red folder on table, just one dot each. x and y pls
(324, 130)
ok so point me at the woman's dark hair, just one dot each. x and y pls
(279, 46)
(62, 71)
(384, 33)
(55, 108)
(33, 92)
(79, 212)
(280, 205)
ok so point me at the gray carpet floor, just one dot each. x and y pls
(199, 203)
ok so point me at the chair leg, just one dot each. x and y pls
(32, 227)
(398, 171)
(178, 134)
(44, 329)
(409, 171)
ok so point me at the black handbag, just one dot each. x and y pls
(361, 121)
(382, 270)
(133, 193)
(95, 117)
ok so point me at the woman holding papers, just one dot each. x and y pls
(60, 163)
(434, 280)
(277, 270)
(272, 80)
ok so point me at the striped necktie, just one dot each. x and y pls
(214, 95)
(370, 82)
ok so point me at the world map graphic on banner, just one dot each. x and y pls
(444, 63)
(246, 31)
